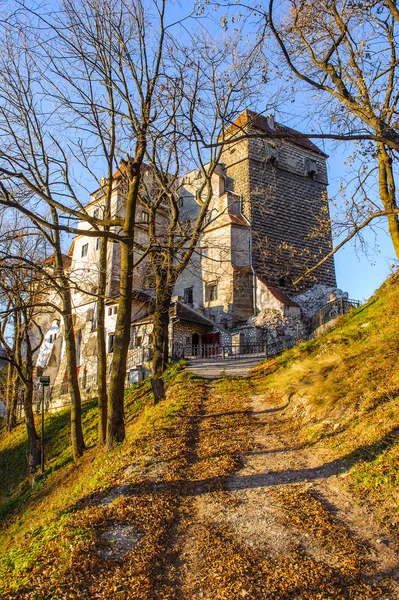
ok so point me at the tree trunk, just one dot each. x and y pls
(78, 445)
(387, 193)
(33, 438)
(11, 397)
(116, 396)
(116, 393)
(77, 440)
(160, 346)
(101, 346)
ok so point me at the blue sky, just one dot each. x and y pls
(357, 274)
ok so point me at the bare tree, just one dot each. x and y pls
(346, 53)
(108, 72)
(90, 52)
(213, 83)
(20, 332)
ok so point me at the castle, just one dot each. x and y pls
(269, 199)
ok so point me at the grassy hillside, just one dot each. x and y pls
(342, 392)
(343, 388)
(38, 524)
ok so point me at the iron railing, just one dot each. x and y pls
(232, 351)
(138, 356)
(330, 311)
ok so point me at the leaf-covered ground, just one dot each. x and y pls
(218, 502)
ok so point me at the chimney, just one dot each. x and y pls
(270, 121)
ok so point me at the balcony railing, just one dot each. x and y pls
(330, 311)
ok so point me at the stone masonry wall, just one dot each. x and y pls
(285, 207)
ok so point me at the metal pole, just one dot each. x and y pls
(42, 439)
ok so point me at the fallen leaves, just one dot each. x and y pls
(149, 535)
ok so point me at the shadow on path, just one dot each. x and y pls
(186, 487)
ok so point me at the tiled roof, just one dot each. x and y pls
(238, 219)
(248, 117)
(185, 313)
(180, 311)
(278, 293)
(66, 260)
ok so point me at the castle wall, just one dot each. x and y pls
(243, 306)
(286, 206)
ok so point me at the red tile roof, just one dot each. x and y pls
(66, 260)
(248, 117)
(278, 293)
(238, 220)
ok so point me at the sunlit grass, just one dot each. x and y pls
(344, 389)
(42, 514)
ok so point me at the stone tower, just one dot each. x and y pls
(281, 182)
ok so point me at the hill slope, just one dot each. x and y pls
(344, 389)
(236, 488)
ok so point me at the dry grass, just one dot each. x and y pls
(41, 517)
(344, 390)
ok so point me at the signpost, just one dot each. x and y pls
(44, 382)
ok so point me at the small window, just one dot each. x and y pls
(115, 310)
(96, 213)
(145, 217)
(188, 295)
(138, 341)
(131, 343)
(311, 168)
(110, 311)
(111, 342)
(98, 243)
(85, 249)
(50, 338)
(282, 282)
(212, 292)
(150, 338)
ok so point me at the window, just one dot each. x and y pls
(188, 295)
(85, 249)
(311, 167)
(138, 341)
(145, 217)
(212, 292)
(150, 339)
(111, 342)
(96, 213)
(98, 243)
(282, 282)
(115, 310)
(110, 311)
(131, 342)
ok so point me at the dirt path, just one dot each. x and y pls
(282, 526)
(223, 504)
(216, 367)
